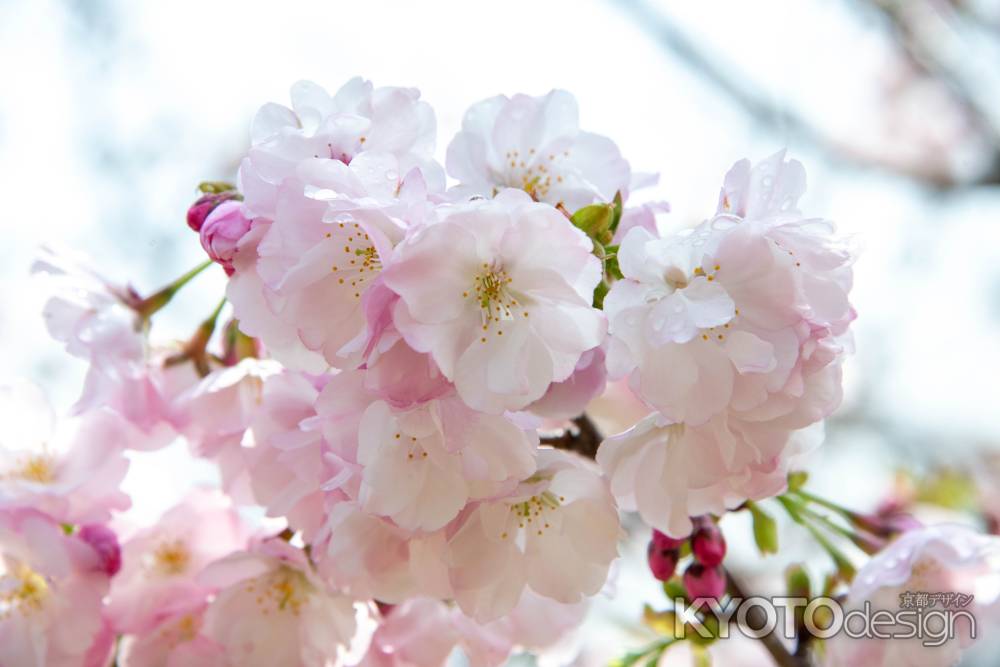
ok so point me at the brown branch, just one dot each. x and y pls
(582, 437)
(782, 657)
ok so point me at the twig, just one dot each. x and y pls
(782, 657)
(583, 438)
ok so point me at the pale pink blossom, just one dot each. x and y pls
(424, 632)
(272, 609)
(221, 232)
(535, 144)
(643, 216)
(51, 586)
(944, 558)
(742, 314)
(161, 563)
(386, 125)
(176, 641)
(306, 283)
(671, 472)
(556, 534)
(499, 293)
(214, 414)
(570, 398)
(421, 466)
(373, 558)
(71, 470)
(89, 314)
(287, 464)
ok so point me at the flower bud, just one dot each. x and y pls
(662, 561)
(704, 582)
(105, 543)
(222, 231)
(206, 204)
(707, 543)
(664, 541)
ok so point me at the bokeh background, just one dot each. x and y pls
(111, 111)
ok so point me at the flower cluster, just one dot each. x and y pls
(398, 342)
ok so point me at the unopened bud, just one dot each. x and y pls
(205, 204)
(662, 561)
(704, 582)
(221, 232)
(707, 543)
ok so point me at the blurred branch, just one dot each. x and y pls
(756, 103)
(582, 438)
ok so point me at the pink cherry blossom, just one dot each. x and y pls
(569, 398)
(643, 216)
(390, 124)
(176, 640)
(221, 232)
(555, 534)
(72, 470)
(499, 293)
(161, 563)
(214, 414)
(373, 558)
(535, 144)
(307, 282)
(51, 586)
(669, 473)
(944, 558)
(86, 312)
(745, 314)
(287, 465)
(421, 466)
(272, 609)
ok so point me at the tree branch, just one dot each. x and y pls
(782, 657)
(583, 438)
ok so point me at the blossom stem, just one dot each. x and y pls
(152, 304)
(854, 517)
(866, 543)
(781, 655)
(795, 510)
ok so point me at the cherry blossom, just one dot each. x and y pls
(51, 586)
(161, 563)
(272, 609)
(71, 470)
(671, 472)
(175, 640)
(556, 534)
(945, 558)
(535, 144)
(743, 314)
(221, 232)
(499, 293)
(392, 125)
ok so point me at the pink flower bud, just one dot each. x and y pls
(103, 540)
(662, 561)
(206, 204)
(707, 543)
(663, 541)
(222, 231)
(704, 582)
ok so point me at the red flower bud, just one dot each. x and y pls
(704, 582)
(662, 561)
(663, 541)
(707, 543)
(206, 204)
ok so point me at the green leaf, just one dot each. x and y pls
(619, 208)
(765, 530)
(674, 588)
